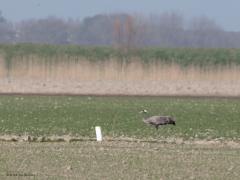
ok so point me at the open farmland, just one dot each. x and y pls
(118, 160)
(203, 145)
(119, 116)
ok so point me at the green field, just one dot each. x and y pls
(209, 129)
(199, 118)
(51, 54)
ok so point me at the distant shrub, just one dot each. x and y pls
(181, 56)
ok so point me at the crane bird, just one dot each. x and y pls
(158, 120)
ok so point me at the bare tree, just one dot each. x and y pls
(128, 31)
(7, 31)
(204, 32)
(51, 30)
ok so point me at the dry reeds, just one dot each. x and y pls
(66, 68)
(74, 69)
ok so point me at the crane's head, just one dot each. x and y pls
(144, 111)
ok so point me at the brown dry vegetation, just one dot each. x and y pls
(78, 75)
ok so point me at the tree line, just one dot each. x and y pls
(121, 31)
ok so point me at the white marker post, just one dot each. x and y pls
(98, 133)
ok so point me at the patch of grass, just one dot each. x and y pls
(118, 116)
(114, 160)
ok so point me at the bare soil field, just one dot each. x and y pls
(118, 160)
(157, 88)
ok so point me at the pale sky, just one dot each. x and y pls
(225, 13)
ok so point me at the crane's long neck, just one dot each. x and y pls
(144, 117)
(145, 120)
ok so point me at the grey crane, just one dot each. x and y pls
(158, 120)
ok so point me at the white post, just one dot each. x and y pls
(98, 133)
